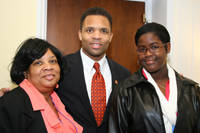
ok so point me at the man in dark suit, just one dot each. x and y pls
(75, 90)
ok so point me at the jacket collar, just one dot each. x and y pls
(135, 79)
(138, 78)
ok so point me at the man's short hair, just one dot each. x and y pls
(95, 11)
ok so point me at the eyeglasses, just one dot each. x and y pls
(153, 48)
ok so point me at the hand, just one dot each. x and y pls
(3, 91)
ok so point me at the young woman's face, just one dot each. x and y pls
(152, 53)
(44, 73)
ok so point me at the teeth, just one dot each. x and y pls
(96, 44)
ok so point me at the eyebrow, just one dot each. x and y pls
(155, 43)
(97, 27)
(52, 56)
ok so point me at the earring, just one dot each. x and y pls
(25, 75)
(57, 86)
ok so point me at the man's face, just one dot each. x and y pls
(95, 36)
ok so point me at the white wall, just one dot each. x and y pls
(183, 22)
(159, 11)
(18, 22)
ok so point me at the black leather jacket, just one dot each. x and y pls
(136, 107)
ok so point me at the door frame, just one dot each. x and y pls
(42, 16)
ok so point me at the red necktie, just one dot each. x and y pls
(98, 95)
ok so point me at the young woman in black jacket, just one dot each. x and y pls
(156, 99)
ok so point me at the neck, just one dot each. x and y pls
(47, 98)
(161, 78)
(94, 57)
(47, 95)
(51, 104)
(161, 74)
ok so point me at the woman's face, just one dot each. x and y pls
(44, 73)
(152, 53)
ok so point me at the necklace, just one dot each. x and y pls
(161, 86)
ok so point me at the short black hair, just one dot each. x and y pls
(158, 29)
(95, 11)
(30, 50)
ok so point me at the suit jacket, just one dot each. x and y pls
(73, 93)
(17, 115)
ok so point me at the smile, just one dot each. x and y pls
(149, 62)
(96, 45)
(49, 77)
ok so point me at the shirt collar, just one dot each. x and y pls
(39, 103)
(88, 63)
(36, 98)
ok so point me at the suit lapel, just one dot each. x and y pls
(114, 83)
(82, 86)
(114, 74)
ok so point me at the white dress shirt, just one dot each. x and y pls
(89, 71)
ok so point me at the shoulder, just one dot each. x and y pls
(186, 81)
(72, 56)
(14, 98)
(133, 80)
(72, 62)
(71, 59)
(117, 67)
(17, 92)
(189, 85)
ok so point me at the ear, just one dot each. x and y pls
(168, 47)
(80, 35)
(26, 75)
(111, 36)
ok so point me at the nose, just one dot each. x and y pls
(148, 51)
(97, 35)
(47, 66)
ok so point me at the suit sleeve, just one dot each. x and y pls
(198, 108)
(13, 117)
(5, 122)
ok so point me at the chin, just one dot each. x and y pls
(151, 69)
(50, 86)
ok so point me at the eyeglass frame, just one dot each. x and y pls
(153, 48)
